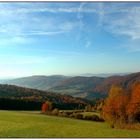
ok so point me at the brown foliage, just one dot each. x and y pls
(133, 108)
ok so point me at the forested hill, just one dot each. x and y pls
(94, 87)
(78, 86)
(10, 92)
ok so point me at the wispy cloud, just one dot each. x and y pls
(45, 7)
(127, 25)
(20, 20)
(122, 19)
(14, 40)
(88, 44)
(17, 27)
(131, 46)
(41, 33)
(80, 14)
(126, 20)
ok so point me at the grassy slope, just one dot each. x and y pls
(33, 124)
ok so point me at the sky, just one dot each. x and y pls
(47, 38)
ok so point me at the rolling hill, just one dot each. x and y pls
(78, 86)
(14, 95)
(94, 87)
(37, 82)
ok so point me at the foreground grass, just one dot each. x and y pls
(34, 125)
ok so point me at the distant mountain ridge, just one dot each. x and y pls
(78, 86)
(104, 75)
(40, 82)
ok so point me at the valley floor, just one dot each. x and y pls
(26, 124)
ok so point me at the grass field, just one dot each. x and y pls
(34, 125)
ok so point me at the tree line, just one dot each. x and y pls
(20, 104)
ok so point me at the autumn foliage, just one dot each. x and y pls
(47, 106)
(44, 107)
(122, 105)
(133, 107)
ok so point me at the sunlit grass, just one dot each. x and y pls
(33, 124)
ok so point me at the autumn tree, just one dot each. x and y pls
(50, 106)
(44, 107)
(114, 108)
(47, 106)
(133, 108)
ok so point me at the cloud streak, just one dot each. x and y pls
(88, 44)
(126, 23)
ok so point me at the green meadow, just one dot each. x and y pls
(22, 124)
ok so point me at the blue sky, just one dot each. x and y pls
(69, 38)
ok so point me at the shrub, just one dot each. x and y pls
(62, 114)
(78, 116)
(69, 113)
(78, 111)
(72, 115)
(92, 117)
(101, 120)
(65, 114)
(55, 112)
(87, 118)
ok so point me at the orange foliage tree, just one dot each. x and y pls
(123, 105)
(47, 106)
(133, 108)
(44, 107)
(114, 108)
